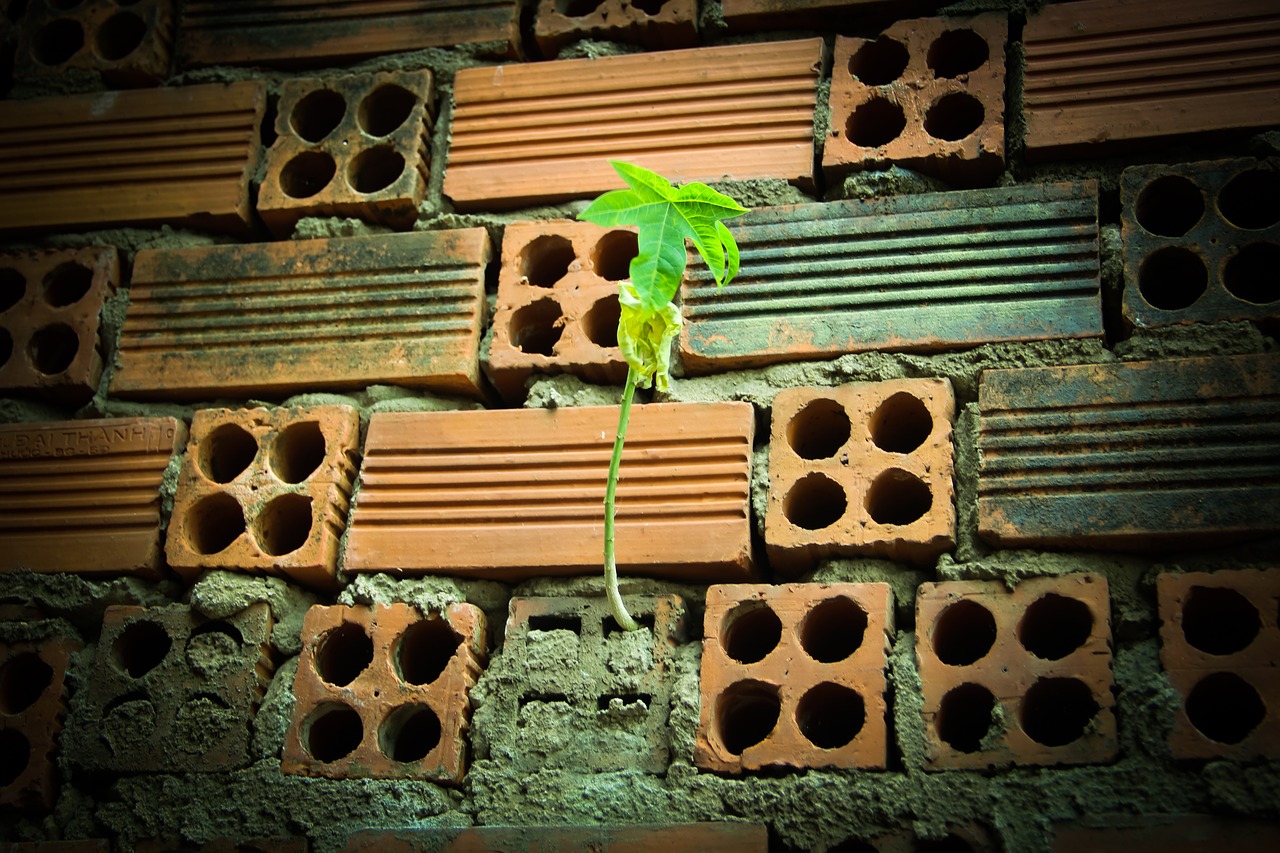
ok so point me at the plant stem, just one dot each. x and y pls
(610, 562)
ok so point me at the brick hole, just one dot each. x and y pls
(553, 622)
(201, 722)
(957, 52)
(965, 717)
(140, 647)
(963, 633)
(1057, 711)
(854, 845)
(1251, 199)
(746, 713)
(375, 169)
(343, 653)
(128, 722)
(53, 348)
(307, 174)
(213, 523)
(876, 122)
(57, 41)
(950, 843)
(1253, 274)
(15, 756)
(953, 117)
(66, 284)
(879, 62)
(13, 286)
(536, 328)
(577, 8)
(751, 631)
(611, 258)
(226, 452)
(1172, 278)
(1219, 620)
(814, 502)
(609, 626)
(1224, 707)
(284, 525)
(819, 430)
(23, 679)
(649, 7)
(1169, 206)
(6, 346)
(332, 731)
(546, 260)
(119, 36)
(833, 629)
(409, 733)
(214, 647)
(385, 109)
(600, 323)
(298, 451)
(1054, 626)
(830, 715)
(901, 423)
(640, 701)
(317, 114)
(898, 497)
(424, 650)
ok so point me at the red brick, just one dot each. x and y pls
(84, 496)
(265, 491)
(1220, 645)
(33, 704)
(1037, 659)
(50, 305)
(350, 146)
(671, 24)
(794, 675)
(1128, 833)
(383, 692)
(702, 837)
(927, 94)
(520, 493)
(128, 46)
(861, 469)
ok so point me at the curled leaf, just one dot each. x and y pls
(645, 337)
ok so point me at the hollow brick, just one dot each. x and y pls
(703, 837)
(670, 25)
(1016, 677)
(33, 705)
(127, 46)
(793, 675)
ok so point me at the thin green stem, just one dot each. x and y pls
(610, 490)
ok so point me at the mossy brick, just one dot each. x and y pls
(1018, 676)
(861, 469)
(33, 704)
(928, 272)
(84, 496)
(702, 837)
(793, 675)
(265, 491)
(1220, 645)
(51, 341)
(1168, 833)
(129, 44)
(667, 25)
(384, 692)
(1201, 242)
(1130, 455)
(171, 691)
(277, 318)
(355, 145)
(970, 837)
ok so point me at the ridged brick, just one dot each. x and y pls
(282, 33)
(927, 94)
(558, 306)
(546, 131)
(1130, 455)
(1167, 833)
(668, 24)
(861, 469)
(794, 675)
(703, 837)
(357, 145)
(179, 156)
(127, 43)
(1220, 645)
(84, 496)
(383, 692)
(278, 318)
(754, 15)
(1201, 242)
(925, 272)
(520, 493)
(1101, 74)
(265, 491)
(50, 306)
(33, 704)
(1016, 677)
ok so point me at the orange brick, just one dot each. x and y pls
(794, 675)
(129, 46)
(383, 692)
(84, 496)
(1016, 677)
(861, 469)
(702, 837)
(753, 15)
(265, 491)
(667, 24)
(33, 704)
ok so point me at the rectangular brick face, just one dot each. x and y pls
(84, 496)
(128, 47)
(672, 24)
(35, 704)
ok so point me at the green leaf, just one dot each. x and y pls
(645, 338)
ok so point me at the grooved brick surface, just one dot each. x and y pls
(1016, 677)
(1220, 645)
(32, 708)
(50, 307)
(929, 272)
(469, 493)
(794, 675)
(545, 131)
(861, 469)
(84, 496)
(129, 46)
(179, 156)
(672, 24)
(1130, 454)
(702, 837)
(383, 692)
(350, 146)
(265, 491)
(277, 318)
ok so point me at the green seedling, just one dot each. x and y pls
(666, 216)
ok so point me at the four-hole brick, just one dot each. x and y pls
(32, 707)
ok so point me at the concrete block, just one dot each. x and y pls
(666, 24)
(702, 837)
(127, 43)
(33, 704)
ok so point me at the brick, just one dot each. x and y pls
(355, 145)
(926, 272)
(265, 491)
(545, 131)
(272, 319)
(558, 303)
(1127, 833)
(1133, 455)
(468, 493)
(1100, 77)
(793, 675)
(1016, 677)
(1201, 241)
(50, 304)
(703, 837)
(127, 46)
(172, 691)
(383, 692)
(84, 496)
(754, 15)
(971, 837)
(178, 156)
(927, 94)
(861, 469)
(83, 846)
(1220, 645)
(669, 24)
(33, 704)
(223, 845)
